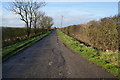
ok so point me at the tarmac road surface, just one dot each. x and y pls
(49, 58)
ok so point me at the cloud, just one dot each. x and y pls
(72, 15)
(69, 18)
(69, 0)
(11, 20)
(72, 19)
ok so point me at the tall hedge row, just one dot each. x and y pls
(102, 34)
(11, 35)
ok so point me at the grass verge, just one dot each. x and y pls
(11, 50)
(108, 60)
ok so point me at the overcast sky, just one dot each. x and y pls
(72, 12)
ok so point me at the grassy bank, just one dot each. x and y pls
(102, 34)
(12, 35)
(11, 50)
(108, 60)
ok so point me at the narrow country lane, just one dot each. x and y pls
(49, 58)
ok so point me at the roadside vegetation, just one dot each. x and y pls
(108, 60)
(30, 13)
(36, 21)
(102, 34)
(12, 35)
(98, 41)
(37, 25)
(11, 50)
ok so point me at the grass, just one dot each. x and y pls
(11, 50)
(108, 60)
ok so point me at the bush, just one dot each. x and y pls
(12, 35)
(102, 34)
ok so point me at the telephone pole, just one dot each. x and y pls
(61, 21)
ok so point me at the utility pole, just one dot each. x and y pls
(61, 21)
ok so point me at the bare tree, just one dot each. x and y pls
(35, 14)
(49, 22)
(42, 21)
(46, 22)
(36, 20)
(26, 11)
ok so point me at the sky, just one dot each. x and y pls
(73, 13)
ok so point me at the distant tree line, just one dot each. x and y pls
(102, 34)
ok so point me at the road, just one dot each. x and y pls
(49, 58)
